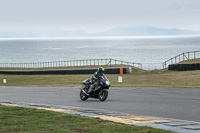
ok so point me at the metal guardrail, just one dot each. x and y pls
(87, 62)
(182, 57)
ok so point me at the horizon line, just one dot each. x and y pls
(93, 37)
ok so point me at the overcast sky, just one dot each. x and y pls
(98, 15)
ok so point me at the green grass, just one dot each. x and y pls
(197, 60)
(26, 120)
(138, 78)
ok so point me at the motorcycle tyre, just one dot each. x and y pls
(105, 95)
(83, 96)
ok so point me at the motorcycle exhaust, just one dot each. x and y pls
(83, 91)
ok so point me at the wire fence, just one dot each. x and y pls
(87, 62)
(182, 57)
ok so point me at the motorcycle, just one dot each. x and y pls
(101, 92)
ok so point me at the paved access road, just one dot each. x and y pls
(176, 103)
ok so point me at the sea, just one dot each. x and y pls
(147, 50)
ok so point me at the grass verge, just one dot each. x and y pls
(197, 60)
(18, 119)
(138, 78)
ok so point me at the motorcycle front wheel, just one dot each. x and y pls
(103, 94)
(83, 96)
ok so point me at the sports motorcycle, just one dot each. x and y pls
(101, 92)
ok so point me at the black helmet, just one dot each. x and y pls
(100, 70)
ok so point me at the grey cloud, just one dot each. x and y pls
(96, 14)
(194, 5)
(185, 4)
(174, 6)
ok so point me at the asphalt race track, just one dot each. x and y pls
(176, 103)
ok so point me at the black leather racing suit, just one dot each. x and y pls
(95, 81)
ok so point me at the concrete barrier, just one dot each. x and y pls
(126, 70)
(184, 67)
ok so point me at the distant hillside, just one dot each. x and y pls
(118, 31)
(145, 31)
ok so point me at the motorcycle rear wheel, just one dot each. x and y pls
(83, 96)
(103, 94)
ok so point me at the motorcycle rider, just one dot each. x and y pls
(96, 79)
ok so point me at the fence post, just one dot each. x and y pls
(164, 65)
(175, 59)
(65, 63)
